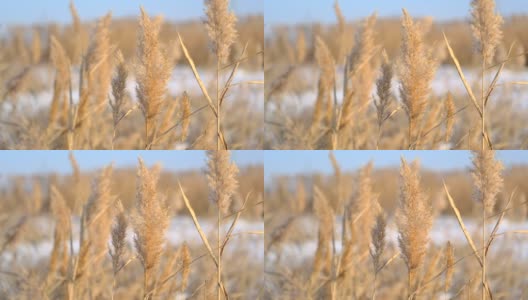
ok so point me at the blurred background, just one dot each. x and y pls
(288, 171)
(26, 175)
(292, 72)
(29, 87)
(24, 21)
(286, 20)
(29, 222)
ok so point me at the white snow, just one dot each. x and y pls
(444, 229)
(446, 79)
(182, 79)
(181, 230)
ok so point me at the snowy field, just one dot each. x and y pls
(182, 80)
(181, 230)
(444, 229)
(446, 79)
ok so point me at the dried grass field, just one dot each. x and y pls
(397, 233)
(397, 83)
(134, 82)
(263, 150)
(125, 233)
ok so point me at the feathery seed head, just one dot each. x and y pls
(383, 89)
(487, 177)
(153, 71)
(378, 240)
(118, 238)
(186, 266)
(486, 26)
(221, 27)
(326, 63)
(414, 217)
(99, 59)
(185, 116)
(416, 71)
(222, 178)
(151, 220)
(450, 111)
(99, 213)
(119, 87)
(450, 261)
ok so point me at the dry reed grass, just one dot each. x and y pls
(356, 119)
(95, 64)
(114, 250)
(312, 254)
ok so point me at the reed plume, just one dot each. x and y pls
(185, 116)
(341, 30)
(487, 178)
(377, 247)
(221, 27)
(186, 266)
(150, 223)
(383, 89)
(414, 220)
(450, 111)
(153, 72)
(325, 217)
(36, 47)
(325, 61)
(20, 45)
(300, 47)
(299, 205)
(61, 213)
(61, 63)
(338, 181)
(118, 239)
(77, 44)
(488, 182)
(12, 235)
(222, 178)
(119, 88)
(96, 226)
(377, 236)
(449, 264)
(36, 197)
(362, 67)
(170, 112)
(99, 58)
(416, 73)
(169, 265)
(366, 207)
(486, 27)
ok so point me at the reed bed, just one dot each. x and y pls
(365, 85)
(77, 243)
(134, 84)
(350, 241)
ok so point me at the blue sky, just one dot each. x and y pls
(295, 11)
(31, 162)
(41, 11)
(297, 162)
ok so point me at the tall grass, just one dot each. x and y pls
(95, 64)
(371, 55)
(370, 251)
(220, 24)
(113, 249)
